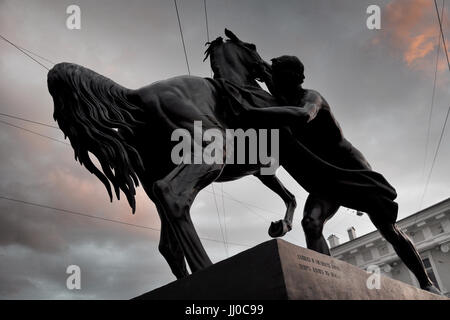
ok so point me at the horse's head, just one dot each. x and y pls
(234, 60)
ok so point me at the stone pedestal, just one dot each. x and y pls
(278, 270)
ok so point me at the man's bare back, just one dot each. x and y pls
(323, 135)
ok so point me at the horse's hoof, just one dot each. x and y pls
(275, 229)
(279, 229)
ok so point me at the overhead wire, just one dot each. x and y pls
(86, 215)
(433, 94)
(28, 120)
(427, 182)
(182, 37)
(442, 32)
(24, 52)
(224, 231)
(33, 132)
(220, 223)
(37, 55)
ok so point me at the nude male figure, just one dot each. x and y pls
(308, 117)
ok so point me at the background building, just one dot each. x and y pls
(429, 229)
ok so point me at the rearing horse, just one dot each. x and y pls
(129, 132)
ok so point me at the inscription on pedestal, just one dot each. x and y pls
(317, 266)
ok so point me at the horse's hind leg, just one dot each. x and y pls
(170, 248)
(281, 227)
(175, 193)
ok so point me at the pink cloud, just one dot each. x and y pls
(410, 31)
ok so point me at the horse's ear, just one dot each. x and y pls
(231, 35)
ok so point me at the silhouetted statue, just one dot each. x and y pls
(129, 132)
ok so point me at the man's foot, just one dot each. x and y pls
(431, 288)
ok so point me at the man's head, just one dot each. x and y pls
(287, 72)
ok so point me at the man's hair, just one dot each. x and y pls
(289, 64)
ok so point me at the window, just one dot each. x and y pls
(383, 250)
(417, 236)
(437, 229)
(367, 255)
(430, 272)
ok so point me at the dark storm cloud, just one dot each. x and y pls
(380, 97)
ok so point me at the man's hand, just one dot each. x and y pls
(262, 71)
(264, 74)
(298, 113)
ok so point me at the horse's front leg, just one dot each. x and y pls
(280, 227)
(176, 193)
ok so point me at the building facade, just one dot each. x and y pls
(429, 229)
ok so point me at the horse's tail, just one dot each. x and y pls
(97, 116)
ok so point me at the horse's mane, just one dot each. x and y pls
(97, 116)
(209, 54)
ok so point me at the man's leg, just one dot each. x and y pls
(406, 251)
(316, 213)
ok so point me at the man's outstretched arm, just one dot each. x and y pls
(279, 116)
(286, 115)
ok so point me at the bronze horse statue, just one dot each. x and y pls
(129, 132)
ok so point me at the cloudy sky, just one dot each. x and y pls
(378, 83)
